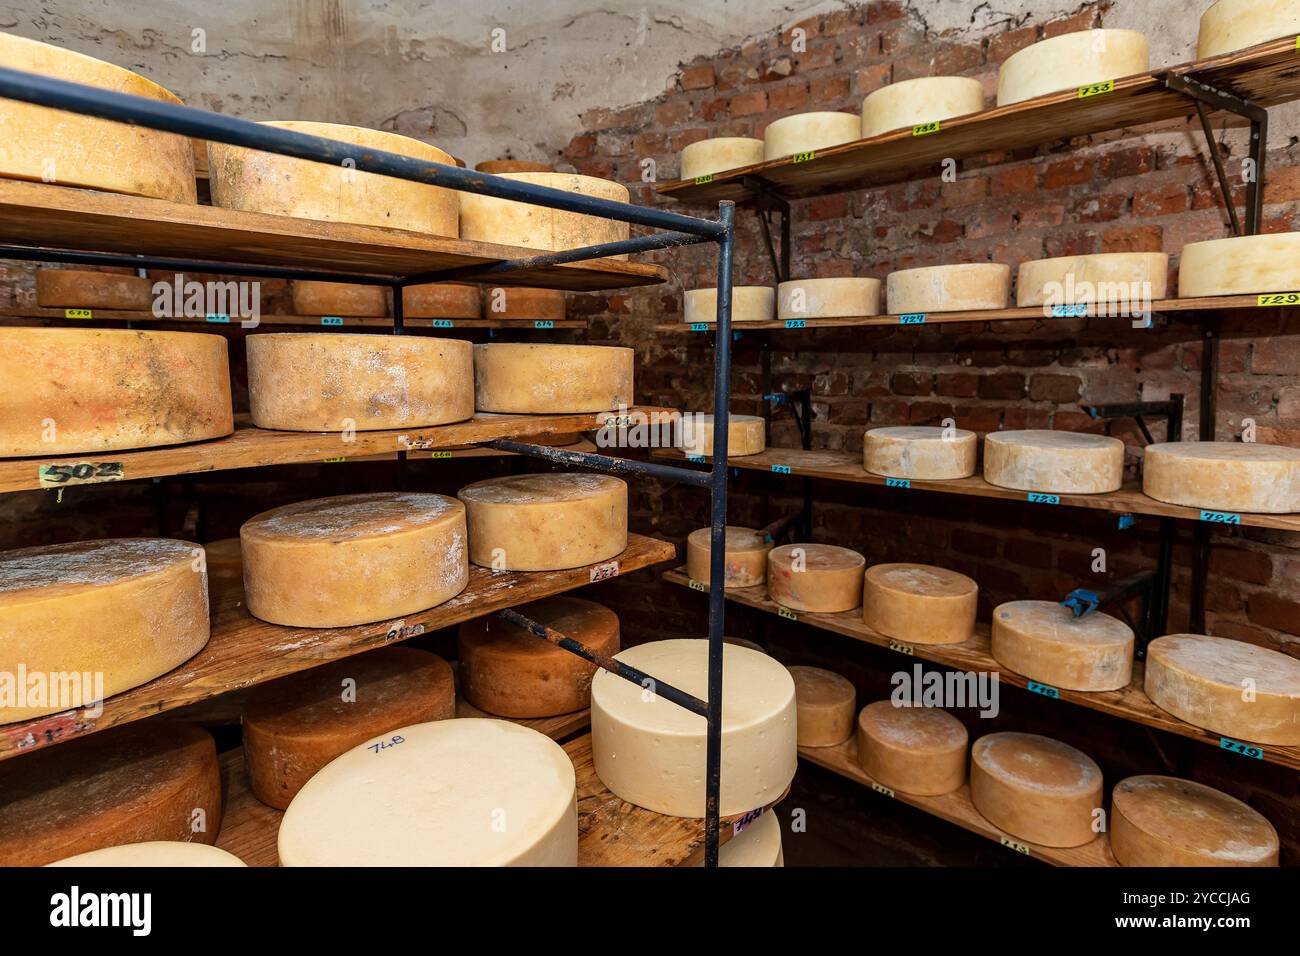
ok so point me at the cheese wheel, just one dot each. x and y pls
(91, 619)
(921, 452)
(650, 752)
(531, 379)
(462, 792)
(1241, 265)
(746, 556)
(919, 603)
(338, 298)
(806, 132)
(916, 750)
(1036, 788)
(720, 154)
(545, 522)
(498, 166)
(73, 391)
(1224, 476)
(815, 577)
(511, 223)
(1071, 60)
(354, 559)
(1231, 25)
(1226, 686)
(1044, 641)
(509, 672)
(442, 300)
(923, 100)
(323, 381)
(1116, 280)
(738, 642)
(956, 288)
(501, 302)
(1165, 821)
(298, 724)
(749, 303)
(225, 561)
(826, 704)
(80, 289)
(155, 780)
(1056, 462)
(759, 844)
(746, 435)
(154, 853)
(72, 149)
(827, 298)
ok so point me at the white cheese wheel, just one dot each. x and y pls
(1071, 60)
(354, 559)
(826, 704)
(1231, 25)
(1044, 641)
(746, 556)
(81, 289)
(545, 522)
(838, 298)
(1240, 265)
(650, 752)
(746, 434)
(1118, 280)
(806, 132)
(462, 792)
(921, 452)
(919, 603)
(338, 298)
(511, 223)
(916, 750)
(759, 844)
(956, 288)
(529, 379)
(442, 300)
(749, 303)
(1226, 686)
(1165, 821)
(501, 302)
(913, 102)
(1036, 788)
(815, 577)
(155, 853)
(1224, 476)
(1055, 462)
(720, 154)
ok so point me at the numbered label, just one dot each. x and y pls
(81, 473)
(603, 572)
(1237, 747)
(444, 324)
(880, 788)
(440, 454)
(78, 314)
(786, 613)
(701, 180)
(699, 326)
(618, 421)
(695, 585)
(1279, 298)
(804, 157)
(698, 459)
(1096, 89)
(380, 746)
(1045, 689)
(1069, 311)
(1011, 844)
(543, 324)
(333, 461)
(1220, 517)
(898, 483)
(331, 320)
(925, 129)
(1041, 499)
(781, 469)
(745, 821)
(217, 317)
(796, 323)
(912, 318)
(901, 648)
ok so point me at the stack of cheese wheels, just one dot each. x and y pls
(1071, 60)
(1036, 788)
(911, 103)
(463, 792)
(1044, 641)
(957, 288)
(746, 556)
(512, 303)
(498, 166)
(545, 522)
(1241, 265)
(511, 223)
(510, 672)
(650, 751)
(1165, 821)
(717, 155)
(1226, 686)
(77, 150)
(806, 132)
(1054, 461)
(837, 298)
(757, 845)
(318, 381)
(147, 781)
(442, 300)
(746, 435)
(338, 298)
(527, 379)
(354, 559)
(69, 391)
(826, 704)
(1224, 476)
(225, 564)
(80, 289)
(749, 303)
(815, 577)
(919, 603)
(916, 750)
(1111, 281)
(1230, 25)
(154, 853)
(255, 181)
(108, 614)
(296, 725)
(920, 452)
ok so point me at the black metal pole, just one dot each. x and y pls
(1201, 532)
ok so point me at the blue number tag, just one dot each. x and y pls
(781, 469)
(912, 318)
(1220, 517)
(1046, 690)
(695, 458)
(1125, 522)
(1070, 311)
(216, 317)
(543, 324)
(1039, 499)
(443, 324)
(1237, 747)
(331, 320)
(796, 323)
(898, 483)
(699, 326)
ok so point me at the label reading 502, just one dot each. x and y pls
(82, 473)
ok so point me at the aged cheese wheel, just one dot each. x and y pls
(323, 381)
(1224, 476)
(958, 288)
(759, 844)
(1035, 788)
(921, 452)
(1231, 25)
(354, 559)
(1071, 60)
(511, 223)
(155, 853)
(72, 149)
(650, 752)
(746, 435)
(155, 780)
(1044, 641)
(749, 303)
(916, 750)
(826, 704)
(746, 554)
(501, 302)
(511, 673)
(498, 166)
(1165, 821)
(805, 132)
(463, 792)
(225, 561)
(1241, 265)
(298, 724)
(815, 577)
(442, 300)
(1119, 280)
(69, 391)
(95, 618)
(338, 298)
(545, 522)
(720, 154)
(848, 297)
(913, 102)
(1054, 461)
(919, 603)
(531, 379)
(1226, 686)
(80, 289)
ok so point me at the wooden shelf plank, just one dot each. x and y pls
(24, 314)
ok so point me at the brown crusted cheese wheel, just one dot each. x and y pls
(919, 603)
(1224, 476)
(498, 166)
(442, 300)
(338, 298)
(540, 379)
(920, 452)
(511, 223)
(1165, 821)
(80, 289)
(501, 302)
(1058, 462)
(746, 556)
(826, 703)
(815, 577)
(917, 750)
(1044, 641)
(1036, 788)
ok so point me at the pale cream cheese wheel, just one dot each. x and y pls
(746, 556)
(838, 298)
(919, 603)
(926, 99)
(1224, 476)
(1167, 821)
(532, 379)
(720, 154)
(954, 288)
(1071, 60)
(1240, 265)
(921, 452)
(916, 750)
(1231, 25)
(826, 704)
(1055, 462)
(815, 577)
(338, 298)
(758, 845)
(807, 132)
(501, 302)
(749, 303)
(1044, 641)
(442, 300)
(746, 435)
(154, 853)
(82, 289)
(1036, 788)
(510, 223)
(1119, 280)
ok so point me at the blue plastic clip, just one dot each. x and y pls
(1082, 601)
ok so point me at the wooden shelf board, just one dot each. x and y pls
(14, 316)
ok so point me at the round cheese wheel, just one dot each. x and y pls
(923, 100)
(1071, 60)
(255, 181)
(746, 435)
(827, 298)
(1165, 821)
(511, 223)
(957, 288)
(746, 556)
(509, 672)
(72, 149)
(759, 844)
(95, 618)
(1231, 25)
(225, 561)
(1241, 265)
(720, 154)
(80, 289)
(69, 391)
(338, 298)
(521, 303)
(916, 750)
(322, 381)
(826, 704)
(650, 752)
(530, 379)
(738, 642)
(354, 559)
(442, 300)
(155, 853)
(1226, 686)
(498, 166)
(805, 132)
(921, 452)
(919, 603)
(298, 724)
(545, 522)
(1036, 788)
(815, 577)
(749, 303)
(462, 792)
(1119, 280)
(1044, 641)
(1054, 461)
(1224, 476)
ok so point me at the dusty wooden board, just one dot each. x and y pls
(13, 316)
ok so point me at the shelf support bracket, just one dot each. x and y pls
(767, 201)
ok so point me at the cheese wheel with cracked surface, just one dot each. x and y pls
(749, 303)
(498, 166)
(746, 435)
(528, 379)
(746, 556)
(1036, 788)
(1240, 265)
(82, 289)
(720, 154)
(1056, 462)
(759, 844)
(511, 223)
(1071, 60)
(500, 302)
(442, 300)
(154, 853)
(926, 99)
(826, 704)
(1231, 25)
(954, 288)
(1166, 821)
(1044, 641)
(1124, 280)
(338, 298)
(1224, 476)
(916, 750)
(921, 452)
(808, 132)
(815, 577)
(837, 298)
(919, 603)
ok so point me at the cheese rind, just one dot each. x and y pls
(501, 302)
(498, 166)
(1224, 476)
(1036, 788)
(805, 132)
(921, 452)
(815, 577)
(82, 289)
(1231, 25)
(837, 298)
(746, 556)
(720, 154)
(1057, 462)
(1044, 641)
(442, 300)
(511, 223)
(919, 603)
(1114, 280)
(922, 100)
(528, 379)
(154, 853)
(826, 704)
(746, 435)
(1240, 265)
(749, 303)
(1071, 60)
(338, 298)
(916, 750)
(1165, 821)
(953, 288)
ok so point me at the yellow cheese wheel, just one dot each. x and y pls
(1224, 476)
(913, 102)
(80, 289)
(956, 288)
(501, 302)
(154, 853)
(531, 379)
(1165, 821)
(921, 452)
(1071, 60)
(442, 300)
(826, 704)
(746, 556)
(720, 154)
(1118, 280)
(1231, 25)
(919, 603)
(1036, 788)
(498, 166)
(746, 435)
(837, 298)
(338, 298)
(749, 303)
(916, 750)
(1055, 462)
(758, 844)
(807, 132)
(1044, 641)
(1241, 265)
(511, 223)
(815, 577)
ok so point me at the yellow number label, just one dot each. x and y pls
(925, 129)
(1279, 298)
(804, 157)
(78, 314)
(1096, 89)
